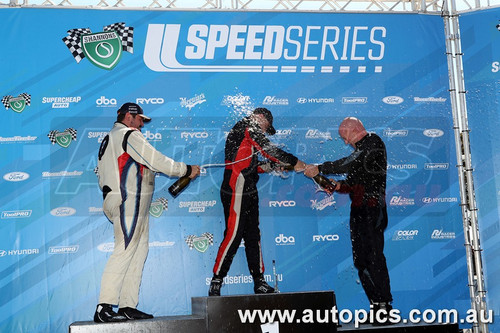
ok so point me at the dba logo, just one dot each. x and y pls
(392, 100)
(282, 239)
(16, 176)
(152, 136)
(103, 101)
(63, 211)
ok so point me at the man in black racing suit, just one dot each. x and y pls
(240, 198)
(365, 182)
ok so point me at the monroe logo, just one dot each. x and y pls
(284, 240)
(192, 102)
(322, 204)
(392, 100)
(103, 102)
(436, 166)
(63, 211)
(283, 203)
(325, 238)
(192, 135)
(354, 100)
(61, 102)
(398, 200)
(214, 48)
(395, 133)
(13, 214)
(149, 100)
(404, 235)
(273, 100)
(63, 249)
(103, 49)
(317, 134)
(433, 133)
(16, 176)
(17, 104)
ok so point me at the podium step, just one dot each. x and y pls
(172, 324)
(227, 313)
(401, 328)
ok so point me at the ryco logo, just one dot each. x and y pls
(191, 135)
(325, 238)
(284, 203)
(149, 100)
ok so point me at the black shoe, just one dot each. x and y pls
(261, 286)
(381, 313)
(133, 314)
(104, 314)
(215, 286)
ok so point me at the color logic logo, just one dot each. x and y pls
(17, 104)
(103, 49)
(63, 139)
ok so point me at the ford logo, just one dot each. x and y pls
(16, 176)
(433, 133)
(63, 211)
(392, 100)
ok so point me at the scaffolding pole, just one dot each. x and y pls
(472, 244)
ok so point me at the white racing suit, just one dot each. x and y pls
(126, 167)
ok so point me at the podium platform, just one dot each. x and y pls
(245, 313)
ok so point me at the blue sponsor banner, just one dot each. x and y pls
(196, 74)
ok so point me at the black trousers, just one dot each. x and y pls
(367, 226)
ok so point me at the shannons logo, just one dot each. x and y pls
(63, 211)
(404, 235)
(325, 238)
(317, 134)
(283, 203)
(61, 102)
(436, 166)
(14, 214)
(61, 174)
(284, 240)
(273, 100)
(440, 234)
(392, 100)
(398, 200)
(104, 102)
(433, 133)
(304, 100)
(4, 253)
(354, 100)
(193, 135)
(63, 249)
(190, 103)
(395, 133)
(322, 204)
(99, 135)
(16, 176)
(197, 206)
(245, 48)
(150, 136)
(429, 99)
(402, 166)
(106, 247)
(429, 200)
(153, 100)
(18, 138)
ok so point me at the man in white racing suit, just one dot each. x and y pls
(126, 169)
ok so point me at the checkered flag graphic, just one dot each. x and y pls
(164, 202)
(72, 131)
(52, 134)
(27, 98)
(190, 241)
(72, 41)
(125, 33)
(5, 101)
(210, 237)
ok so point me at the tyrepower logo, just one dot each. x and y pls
(436, 166)
(393, 100)
(15, 214)
(63, 211)
(284, 203)
(262, 48)
(64, 249)
(395, 133)
(104, 102)
(325, 238)
(354, 100)
(153, 100)
(284, 240)
(16, 176)
(404, 235)
(61, 102)
(194, 135)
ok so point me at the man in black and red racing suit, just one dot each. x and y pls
(240, 197)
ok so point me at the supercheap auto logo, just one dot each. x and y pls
(264, 48)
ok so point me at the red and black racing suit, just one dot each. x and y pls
(366, 171)
(239, 194)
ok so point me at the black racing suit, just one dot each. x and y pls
(366, 171)
(239, 194)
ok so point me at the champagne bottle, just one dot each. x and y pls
(325, 183)
(179, 185)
